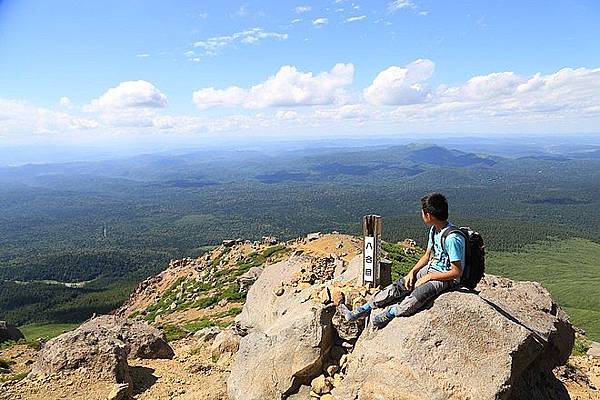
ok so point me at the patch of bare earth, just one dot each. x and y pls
(583, 381)
(191, 374)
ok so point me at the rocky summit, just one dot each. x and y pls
(258, 320)
(502, 343)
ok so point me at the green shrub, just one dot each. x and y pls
(173, 332)
(15, 377)
(232, 293)
(581, 346)
(206, 302)
(200, 324)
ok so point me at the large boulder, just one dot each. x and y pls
(97, 350)
(101, 346)
(501, 344)
(9, 332)
(143, 340)
(287, 336)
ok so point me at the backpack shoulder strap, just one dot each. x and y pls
(450, 231)
(431, 235)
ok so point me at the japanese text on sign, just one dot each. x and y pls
(369, 253)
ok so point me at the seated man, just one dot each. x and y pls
(435, 272)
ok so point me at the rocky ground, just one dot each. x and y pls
(194, 301)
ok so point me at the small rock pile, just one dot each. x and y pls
(317, 272)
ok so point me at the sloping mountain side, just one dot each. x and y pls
(258, 320)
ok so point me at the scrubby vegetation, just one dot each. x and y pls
(581, 346)
(218, 283)
(402, 257)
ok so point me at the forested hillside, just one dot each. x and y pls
(106, 225)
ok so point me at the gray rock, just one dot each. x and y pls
(500, 345)
(97, 350)
(286, 339)
(143, 340)
(226, 342)
(207, 334)
(594, 350)
(247, 279)
(303, 394)
(9, 332)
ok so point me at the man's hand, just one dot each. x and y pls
(424, 279)
(409, 280)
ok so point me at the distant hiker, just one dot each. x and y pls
(440, 268)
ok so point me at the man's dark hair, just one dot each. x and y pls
(436, 205)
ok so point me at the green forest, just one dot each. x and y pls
(101, 227)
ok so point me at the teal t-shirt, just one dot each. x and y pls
(455, 248)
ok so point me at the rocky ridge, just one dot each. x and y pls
(257, 320)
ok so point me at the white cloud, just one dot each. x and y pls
(129, 94)
(396, 85)
(249, 36)
(302, 9)
(423, 13)
(399, 100)
(65, 102)
(357, 18)
(400, 4)
(22, 119)
(210, 97)
(320, 21)
(288, 87)
(566, 91)
(295, 21)
(142, 55)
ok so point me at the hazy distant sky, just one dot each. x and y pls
(100, 70)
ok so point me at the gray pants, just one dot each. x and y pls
(401, 301)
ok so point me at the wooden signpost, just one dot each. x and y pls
(372, 250)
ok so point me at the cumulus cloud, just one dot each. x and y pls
(401, 85)
(565, 91)
(288, 87)
(250, 36)
(21, 118)
(320, 22)
(65, 102)
(129, 94)
(398, 100)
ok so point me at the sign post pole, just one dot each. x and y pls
(371, 250)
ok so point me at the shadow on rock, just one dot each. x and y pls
(142, 379)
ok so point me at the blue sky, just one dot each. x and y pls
(82, 70)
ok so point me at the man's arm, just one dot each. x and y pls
(410, 277)
(454, 273)
(455, 248)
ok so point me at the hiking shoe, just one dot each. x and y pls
(381, 320)
(347, 314)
